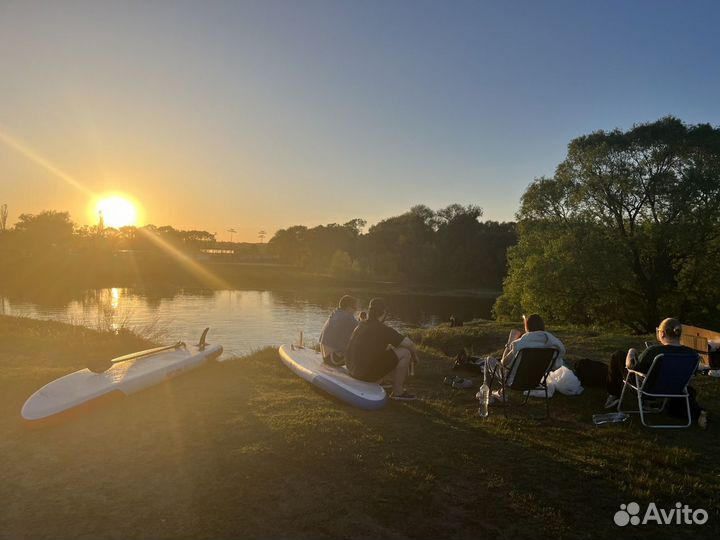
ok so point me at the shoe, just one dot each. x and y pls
(405, 396)
(497, 395)
(450, 381)
(702, 420)
(611, 401)
(461, 383)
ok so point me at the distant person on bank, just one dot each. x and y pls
(377, 351)
(337, 330)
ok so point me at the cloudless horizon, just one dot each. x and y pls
(261, 115)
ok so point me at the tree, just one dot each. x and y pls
(44, 230)
(289, 245)
(623, 229)
(341, 264)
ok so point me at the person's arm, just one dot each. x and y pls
(645, 360)
(557, 344)
(509, 353)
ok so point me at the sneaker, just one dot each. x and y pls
(611, 401)
(463, 383)
(450, 381)
(702, 420)
(405, 396)
(497, 395)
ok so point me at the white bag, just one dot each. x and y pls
(565, 381)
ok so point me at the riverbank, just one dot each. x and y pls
(245, 449)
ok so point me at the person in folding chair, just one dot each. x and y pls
(534, 337)
(668, 334)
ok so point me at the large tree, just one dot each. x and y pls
(38, 232)
(626, 230)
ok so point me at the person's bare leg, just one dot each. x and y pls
(401, 370)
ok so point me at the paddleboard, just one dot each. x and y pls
(85, 388)
(308, 365)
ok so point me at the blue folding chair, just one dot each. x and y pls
(668, 377)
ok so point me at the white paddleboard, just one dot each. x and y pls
(84, 387)
(308, 364)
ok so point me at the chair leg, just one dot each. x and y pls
(504, 396)
(622, 393)
(687, 403)
(640, 408)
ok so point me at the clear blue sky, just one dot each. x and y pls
(259, 115)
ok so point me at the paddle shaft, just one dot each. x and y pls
(99, 366)
(148, 352)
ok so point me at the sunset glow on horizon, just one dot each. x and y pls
(256, 116)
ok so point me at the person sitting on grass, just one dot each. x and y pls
(377, 351)
(534, 337)
(668, 334)
(337, 330)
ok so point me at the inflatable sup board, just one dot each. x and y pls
(308, 364)
(124, 376)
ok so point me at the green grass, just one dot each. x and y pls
(246, 449)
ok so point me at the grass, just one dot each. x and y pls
(246, 449)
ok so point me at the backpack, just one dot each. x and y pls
(591, 372)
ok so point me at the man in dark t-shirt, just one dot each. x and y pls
(668, 334)
(376, 351)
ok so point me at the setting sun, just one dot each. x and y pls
(117, 211)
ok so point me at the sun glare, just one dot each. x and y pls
(117, 211)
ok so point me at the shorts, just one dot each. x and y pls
(375, 369)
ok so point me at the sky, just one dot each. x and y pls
(261, 115)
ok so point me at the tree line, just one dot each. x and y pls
(52, 231)
(447, 247)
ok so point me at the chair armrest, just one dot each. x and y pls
(638, 373)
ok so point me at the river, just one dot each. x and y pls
(241, 320)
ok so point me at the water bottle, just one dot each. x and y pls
(484, 395)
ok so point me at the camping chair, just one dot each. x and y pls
(667, 377)
(527, 371)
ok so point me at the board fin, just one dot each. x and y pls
(201, 344)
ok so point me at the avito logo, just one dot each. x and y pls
(682, 514)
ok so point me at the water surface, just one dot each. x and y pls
(241, 320)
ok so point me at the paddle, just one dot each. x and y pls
(100, 366)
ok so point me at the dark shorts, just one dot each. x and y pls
(375, 369)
